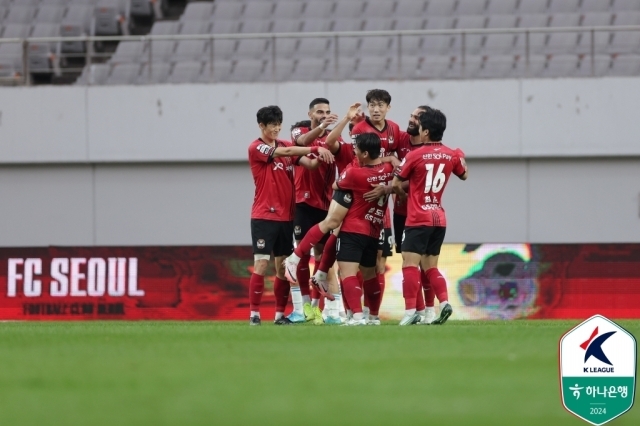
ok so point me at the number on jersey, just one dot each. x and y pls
(434, 184)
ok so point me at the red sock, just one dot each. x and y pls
(439, 284)
(382, 279)
(410, 286)
(353, 293)
(281, 290)
(329, 254)
(419, 300)
(345, 302)
(256, 288)
(373, 291)
(303, 274)
(429, 294)
(312, 238)
(315, 294)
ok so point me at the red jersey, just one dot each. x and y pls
(274, 197)
(313, 187)
(364, 217)
(389, 135)
(428, 170)
(404, 148)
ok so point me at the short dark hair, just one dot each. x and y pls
(303, 123)
(271, 114)
(378, 95)
(435, 122)
(424, 107)
(317, 101)
(369, 142)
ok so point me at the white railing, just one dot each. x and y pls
(89, 54)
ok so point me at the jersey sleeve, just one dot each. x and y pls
(260, 152)
(346, 180)
(296, 132)
(357, 129)
(458, 166)
(403, 171)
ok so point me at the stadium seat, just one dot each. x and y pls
(532, 6)
(283, 71)
(347, 24)
(563, 42)
(467, 69)
(371, 68)
(141, 8)
(123, 73)
(195, 27)
(16, 31)
(317, 47)
(560, 66)
(94, 74)
(626, 5)
(129, 51)
(226, 11)
(54, 2)
(625, 65)
(19, 15)
(437, 44)
(224, 49)
(408, 23)
(316, 25)
(221, 71)
(382, 9)
(286, 26)
(601, 66)
(165, 28)
(470, 7)
(343, 69)
(440, 7)
(350, 9)
(25, 2)
(536, 40)
(502, 7)
(473, 42)
(258, 9)
(257, 48)
(11, 55)
(247, 70)
(378, 24)
(199, 11)
(310, 69)
(435, 67)
(500, 43)
(253, 26)
(161, 50)
(318, 9)
(595, 6)
(496, 66)
(159, 73)
(74, 24)
(52, 14)
(185, 72)
(410, 8)
(564, 6)
(377, 46)
(224, 27)
(288, 9)
(190, 50)
(533, 69)
(601, 38)
(626, 41)
(409, 68)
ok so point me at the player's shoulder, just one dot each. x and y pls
(282, 142)
(299, 130)
(361, 127)
(392, 124)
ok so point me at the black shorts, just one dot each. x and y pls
(270, 236)
(344, 198)
(385, 242)
(423, 239)
(305, 218)
(398, 229)
(358, 248)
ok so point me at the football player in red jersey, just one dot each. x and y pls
(427, 170)
(271, 165)
(313, 196)
(360, 230)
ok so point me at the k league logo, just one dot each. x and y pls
(598, 370)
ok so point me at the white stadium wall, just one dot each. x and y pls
(550, 160)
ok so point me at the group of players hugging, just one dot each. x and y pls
(332, 196)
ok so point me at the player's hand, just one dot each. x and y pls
(354, 111)
(377, 192)
(330, 119)
(325, 155)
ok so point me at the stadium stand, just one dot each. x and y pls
(480, 54)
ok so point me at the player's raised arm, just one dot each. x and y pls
(336, 133)
(323, 155)
(295, 151)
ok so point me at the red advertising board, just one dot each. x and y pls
(486, 281)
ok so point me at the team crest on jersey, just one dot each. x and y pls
(297, 230)
(307, 195)
(347, 198)
(296, 132)
(260, 244)
(390, 140)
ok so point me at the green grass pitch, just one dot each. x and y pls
(216, 373)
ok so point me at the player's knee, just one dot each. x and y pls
(260, 266)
